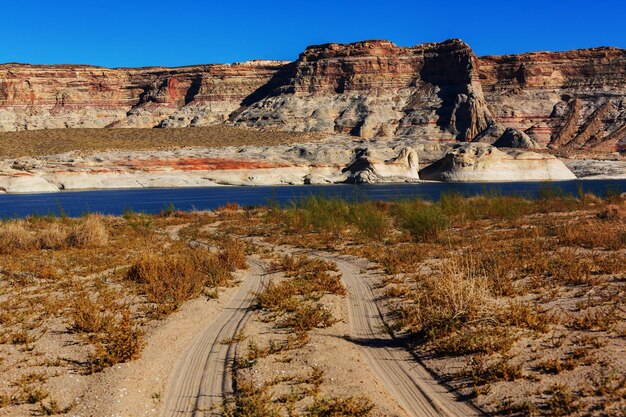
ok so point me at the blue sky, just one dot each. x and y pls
(137, 33)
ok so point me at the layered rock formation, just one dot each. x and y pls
(376, 88)
(72, 96)
(320, 163)
(335, 161)
(574, 99)
(370, 166)
(482, 162)
(434, 91)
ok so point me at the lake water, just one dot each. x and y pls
(153, 200)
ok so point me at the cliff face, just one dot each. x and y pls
(435, 91)
(376, 88)
(568, 99)
(46, 97)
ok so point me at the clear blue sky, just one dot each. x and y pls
(136, 33)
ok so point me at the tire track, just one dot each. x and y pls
(406, 379)
(202, 377)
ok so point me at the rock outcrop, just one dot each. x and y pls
(434, 91)
(71, 96)
(376, 88)
(332, 162)
(571, 100)
(478, 162)
(369, 166)
(501, 137)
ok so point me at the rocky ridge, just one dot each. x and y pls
(371, 89)
(334, 161)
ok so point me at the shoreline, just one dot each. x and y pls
(279, 185)
(192, 187)
(190, 199)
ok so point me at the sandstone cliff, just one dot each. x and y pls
(376, 88)
(60, 96)
(434, 91)
(568, 99)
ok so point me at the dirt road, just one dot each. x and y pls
(416, 390)
(202, 377)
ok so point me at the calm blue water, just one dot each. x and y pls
(75, 203)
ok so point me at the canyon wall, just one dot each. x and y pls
(376, 88)
(60, 96)
(434, 91)
(562, 99)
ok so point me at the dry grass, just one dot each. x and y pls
(441, 305)
(121, 341)
(293, 305)
(88, 284)
(294, 302)
(181, 273)
(310, 279)
(55, 141)
(90, 231)
(87, 232)
(336, 407)
(593, 234)
(496, 293)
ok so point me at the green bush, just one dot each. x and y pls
(423, 222)
(370, 221)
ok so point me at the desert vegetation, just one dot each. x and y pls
(290, 309)
(48, 142)
(516, 304)
(79, 295)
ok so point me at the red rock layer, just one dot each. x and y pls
(38, 96)
(567, 99)
(436, 91)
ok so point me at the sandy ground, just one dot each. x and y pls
(402, 385)
(346, 370)
(202, 377)
(136, 388)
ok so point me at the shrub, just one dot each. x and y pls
(302, 265)
(14, 236)
(423, 222)
(307, 317)
(502, 370)
(168, 280)
(233, 254)
(277, 297)
(593, 234)
(318, 213)
(88, 316)
(613, 212)
(251, 400)
(90, 231)
(474, 339)
(525, 315)
(490, 206)
(370, 221)
(217, 273)
(120, 343)
(310, 276)
(561, 401)
(401, 258)
(442, 304)
(52, 237)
